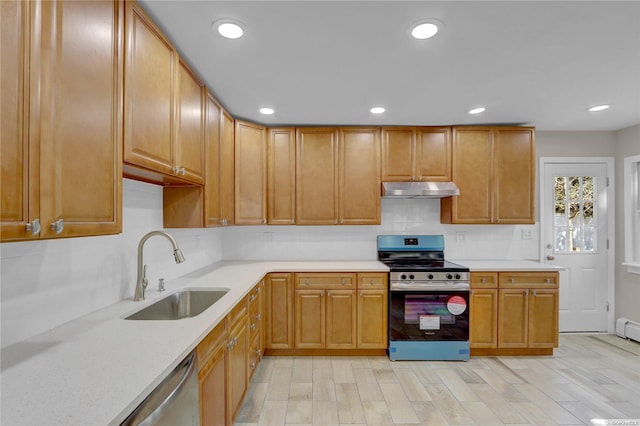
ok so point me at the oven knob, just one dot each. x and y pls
(403, 276)
(430, 276)
(449, 276)
(411, 276)
(457, 276)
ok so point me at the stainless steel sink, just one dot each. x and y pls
(186, 303)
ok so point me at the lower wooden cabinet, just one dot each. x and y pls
(514, 312)
(237, 359)
(212, 355)
(278, 311)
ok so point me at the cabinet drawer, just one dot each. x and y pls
(484, 280)
(528, 279)
(373, 281)
(237, 313)
(325, 281)
(207, 347)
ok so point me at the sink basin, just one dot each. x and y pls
(181, 304)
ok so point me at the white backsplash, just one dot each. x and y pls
(46, 283)
(401, 216)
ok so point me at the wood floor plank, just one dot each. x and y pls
(587, 377)
(350, 408)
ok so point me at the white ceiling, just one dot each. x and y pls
(539, 63)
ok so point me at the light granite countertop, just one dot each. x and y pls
(96, 369)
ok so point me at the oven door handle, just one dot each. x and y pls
(426, 287)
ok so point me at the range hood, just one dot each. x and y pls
(419, 189)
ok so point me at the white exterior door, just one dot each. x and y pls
(575, 213)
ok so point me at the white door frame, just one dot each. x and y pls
(611, 215)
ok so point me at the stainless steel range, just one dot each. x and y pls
(428, 299)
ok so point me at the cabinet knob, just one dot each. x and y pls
(33, 227)
(253, 365)
(548, 280)
(513, 280)
(252, 327)
(57, 226)
(526, 292)
(535, 293)
(259, 317)
(484, 280)
(183, 171)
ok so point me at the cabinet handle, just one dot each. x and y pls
(251, 298)
(329, 293)
(535, 293)
(252, 327)
(484, 280)
(342, 282)
(57, 226)
(361, 295)
(175, 169)
(373, 282)
(498, 220)
(183, 171)
(548, 280)
(253, 365)
(526, 292)
(306, 282)
(259, 317)
(513, 280)
(33, 227)
(472, 292)
(258, 352)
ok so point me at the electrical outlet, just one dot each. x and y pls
(527, 234)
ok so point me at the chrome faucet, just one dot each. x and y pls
(142, 281)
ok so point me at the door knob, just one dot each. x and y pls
(550, 257)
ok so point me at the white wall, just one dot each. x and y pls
(627, 143)
(46, 283)
(359, 242)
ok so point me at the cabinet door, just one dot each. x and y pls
(212, 381)
(316, 183)
(19, 179)
(250, 174)
(237, 378)
(359, 176)
(433, 154)
(513, 313)
(543, 318)
(483, 321)
(372, 319)
(472, 171)
(310, 319)
(279, 311)
(341, 319)
(398, 154)
(149, 93)
(80, 122)
(514, 175)
(189, 141)
(281, 181)
(212, 162)
(227, 169)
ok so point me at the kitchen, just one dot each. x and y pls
(83, 275)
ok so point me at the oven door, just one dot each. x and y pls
(429, 315)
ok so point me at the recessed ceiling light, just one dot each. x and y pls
(598, 108)
(228, 29)
(266, 111)
(425, 29)
(377, 110)
(477, 110)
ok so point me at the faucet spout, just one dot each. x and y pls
(141, 283)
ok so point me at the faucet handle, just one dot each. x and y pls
(160, 284)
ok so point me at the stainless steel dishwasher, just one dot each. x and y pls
(175, 400)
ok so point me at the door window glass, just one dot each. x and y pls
(575, 219)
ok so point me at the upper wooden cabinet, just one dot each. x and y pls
(416, 154)
(359, 176)
(337, 176)
(163, 102)
(281, 176)
(494, 167)
(61, 119)
(250, 174)
(316, 181)
(227, 169)
(213, 117)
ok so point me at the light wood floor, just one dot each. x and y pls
(589, 377)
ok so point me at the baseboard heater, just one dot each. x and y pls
(628, 329)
